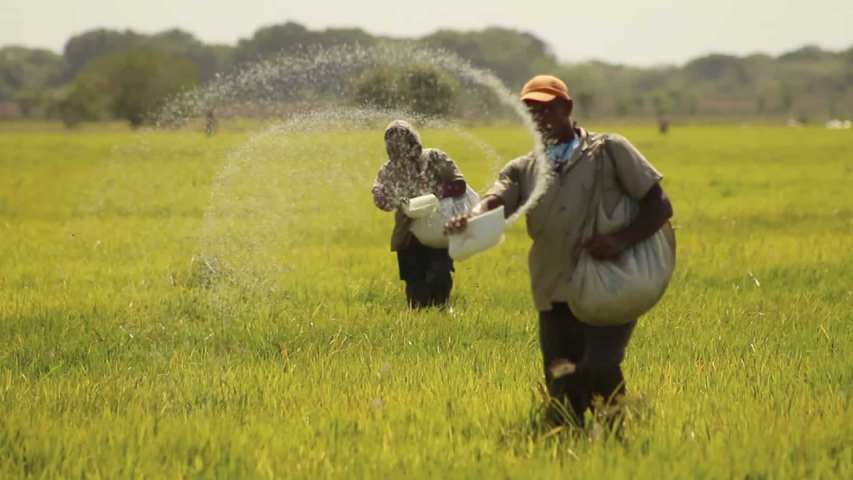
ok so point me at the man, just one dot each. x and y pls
(412, 171)
(581, 362)
(210, 123)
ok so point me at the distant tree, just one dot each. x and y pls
(377, 88)
(419, 88)
(761, 104)
(209, 59)
(721, 77)
(31, 100)
(345, 36)
(623, 106)
(85, 101)
(637, 102)
(675, 100)
(83, 48)
(660, 105)
(27, 69)
(292, 36)
(127, 85)
(214, 59)
(786, 98)
(806, 53)
(586, 102)
(691, 104)
(271, 40)
(512, 55)
(808, 81)
(427, 90)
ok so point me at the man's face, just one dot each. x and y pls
(551, 118)
(401, 144)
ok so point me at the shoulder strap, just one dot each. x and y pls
(590, 226)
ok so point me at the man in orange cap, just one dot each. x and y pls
(581, 362)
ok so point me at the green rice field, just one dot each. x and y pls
(180, 306)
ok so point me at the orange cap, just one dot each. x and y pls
(544, 88)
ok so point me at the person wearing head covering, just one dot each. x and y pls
(412, 171)
(581, 362)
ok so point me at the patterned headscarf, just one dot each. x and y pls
(410, 170)
(402, 142)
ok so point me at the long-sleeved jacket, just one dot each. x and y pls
(410, 171)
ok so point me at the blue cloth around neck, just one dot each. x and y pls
(562, 152)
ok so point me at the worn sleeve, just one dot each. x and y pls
(508, 186)
(446, 167)
(634, 173)
(381, 197)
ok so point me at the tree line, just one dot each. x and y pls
(104, 74)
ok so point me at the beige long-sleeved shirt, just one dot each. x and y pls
(556, 222)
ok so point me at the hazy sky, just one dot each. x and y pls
(638, 32)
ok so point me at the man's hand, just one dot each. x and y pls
(605, 247)
(655, 210)
(457, 224)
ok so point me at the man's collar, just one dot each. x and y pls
(583, 135)
(583, 145)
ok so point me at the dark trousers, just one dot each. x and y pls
(596, 354)
(426, 272)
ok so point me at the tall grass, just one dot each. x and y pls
(118, 360)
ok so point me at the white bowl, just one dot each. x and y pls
(422, 206)
(482, 233)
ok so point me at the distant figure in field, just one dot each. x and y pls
(663, 125)
(412, 171)
(581, 361)
(210, 123)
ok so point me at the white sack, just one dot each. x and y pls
(614, 292)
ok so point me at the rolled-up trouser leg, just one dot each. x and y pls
(561, 338)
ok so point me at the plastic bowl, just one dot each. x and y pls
(483, 232)
(422, 206)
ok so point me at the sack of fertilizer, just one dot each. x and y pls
(429, 229)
